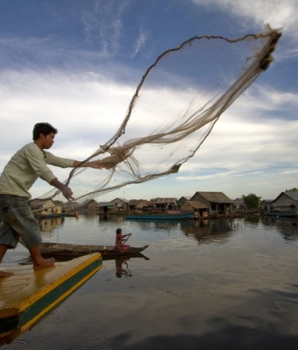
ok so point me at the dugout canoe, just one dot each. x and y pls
(28, 295)
(74, 250)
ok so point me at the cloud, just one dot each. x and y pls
(103, 25)
(275, 12)
(140, 42)
(290, 172)
(253, 15)
(81, 106)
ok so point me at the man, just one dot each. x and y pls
(20, 173)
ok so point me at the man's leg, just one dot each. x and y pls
(19, 222)
(38, 261)
(3, 249)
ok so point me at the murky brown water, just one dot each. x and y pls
(225, 284)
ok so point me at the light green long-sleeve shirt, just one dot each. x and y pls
(23, 169)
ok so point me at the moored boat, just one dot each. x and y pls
(282, 213)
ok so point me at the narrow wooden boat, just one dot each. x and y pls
(165, 217)
(282, 213)
(65, 249)
(28, 295)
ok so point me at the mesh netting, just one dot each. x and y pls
(173, 110)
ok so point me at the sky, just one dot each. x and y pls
(76, 64)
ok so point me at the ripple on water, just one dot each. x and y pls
(85, 334)
(18, 344)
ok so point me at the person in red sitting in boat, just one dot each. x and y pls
(120, 239)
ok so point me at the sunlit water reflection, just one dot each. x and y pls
(214, 284)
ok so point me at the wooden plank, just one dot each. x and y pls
(28, 295)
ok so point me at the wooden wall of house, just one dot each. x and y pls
(123, 206)
(186, 207)
(50, 208)
(265, 206)
(92, 206)
(284, 201)
(198, 197)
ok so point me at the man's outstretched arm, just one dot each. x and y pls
(66, 191)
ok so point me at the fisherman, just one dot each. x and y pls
(20, 173)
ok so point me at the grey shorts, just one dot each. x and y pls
(17, 221)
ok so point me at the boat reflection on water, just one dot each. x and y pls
(122, 271)
(287, 227)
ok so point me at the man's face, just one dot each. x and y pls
(47, 141)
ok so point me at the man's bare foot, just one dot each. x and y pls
(5, 274)
(44, 263)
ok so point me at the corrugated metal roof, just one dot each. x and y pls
(134, 201)
(292, 194)
(121, 199)
(105, 204)
(197, 205)
(215, 197)
(225, 201)
(164, 200)
(41, 202)
(147, 203)
(137, 201)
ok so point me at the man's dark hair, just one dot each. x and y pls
(43, 128)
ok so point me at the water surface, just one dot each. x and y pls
(214, 284)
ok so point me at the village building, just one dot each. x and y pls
(144, 206)
(105, 207)
(216, 202)
(120, 204)
(286, 204)
(239, 204)
(88, 204)
(265, 205)
(132, 203)
(92, 206)
(198, 208)
(182, 200)
(45, 207)
(164, 204)
(139, 204)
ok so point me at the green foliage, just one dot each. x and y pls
(251, 201)
(294, 189)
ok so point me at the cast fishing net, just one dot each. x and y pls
(173, 110)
